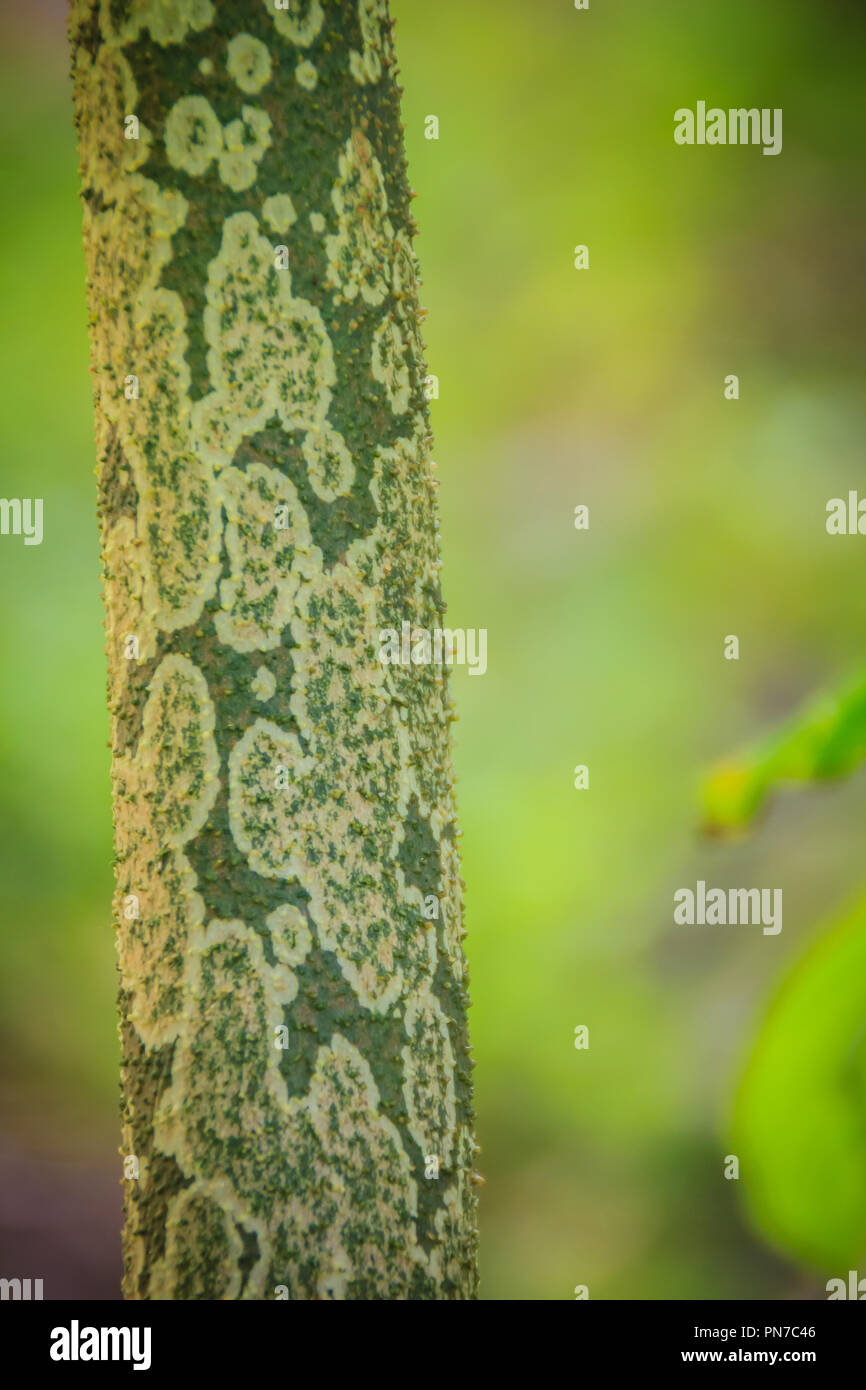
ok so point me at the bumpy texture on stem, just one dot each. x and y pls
(296, 1075)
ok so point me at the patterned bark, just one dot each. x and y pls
(293, 1027)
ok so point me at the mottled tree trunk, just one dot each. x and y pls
(296, 1078)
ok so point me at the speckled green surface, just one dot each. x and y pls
(283, 804)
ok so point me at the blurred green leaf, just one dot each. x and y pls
(800, 1117)
(827, 741)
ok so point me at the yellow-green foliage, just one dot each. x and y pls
(800, 1117)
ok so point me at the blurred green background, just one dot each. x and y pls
(557, 387)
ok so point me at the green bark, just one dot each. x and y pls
(284, 810)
